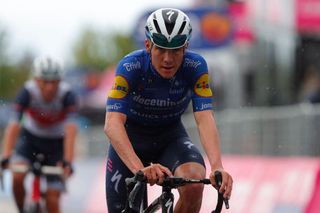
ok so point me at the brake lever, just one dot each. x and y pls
(226, 202)
(218, 179)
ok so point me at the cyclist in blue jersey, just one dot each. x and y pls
(152, 89)
(44, 122)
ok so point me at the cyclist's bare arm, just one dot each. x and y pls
(115, 130)
(209, 137)
(10, 137)
(70, 133)
(210, 140)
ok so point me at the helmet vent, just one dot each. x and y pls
(170, 27)
(157, 26)
(182, 27)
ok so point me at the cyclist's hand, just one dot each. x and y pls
(155, 173)
(4, 163)
(67, 168)
(227, 182)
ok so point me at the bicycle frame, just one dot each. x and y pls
(166, 200)
(36, 191)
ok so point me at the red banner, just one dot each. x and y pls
(308, 16)
(240, 17)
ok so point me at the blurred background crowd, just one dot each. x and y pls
(264, 64)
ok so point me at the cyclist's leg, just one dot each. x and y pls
(19, 191)
(53, 200)
(55, 186)
(53, 151)
(185, 160)
(116, 172)
(190, 198)
(22, 156)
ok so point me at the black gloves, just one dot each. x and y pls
(4, 163)
(67, 164)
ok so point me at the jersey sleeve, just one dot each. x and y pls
(20, 104)
(118, 96)
(71, 106)
(202, 93)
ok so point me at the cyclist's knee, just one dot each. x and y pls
(191, 192)
(191, 170)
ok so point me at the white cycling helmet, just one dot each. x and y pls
(168, 28)
(47, 68)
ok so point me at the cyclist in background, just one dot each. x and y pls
(152, 89)
(44, 122)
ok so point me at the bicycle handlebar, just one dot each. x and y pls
(136, 181)
(41, 170)
(36, 168)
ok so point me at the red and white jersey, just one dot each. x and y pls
(41, 118)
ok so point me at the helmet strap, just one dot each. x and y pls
(151, 46)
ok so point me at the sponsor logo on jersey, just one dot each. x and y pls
(206, 106)
(177, 87)
(115, 106)
(132, 66)
(191, 63)
(120, 87)
(158, 102)
(176, 91)
(202, 87)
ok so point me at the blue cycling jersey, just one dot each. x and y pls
(148, 99)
